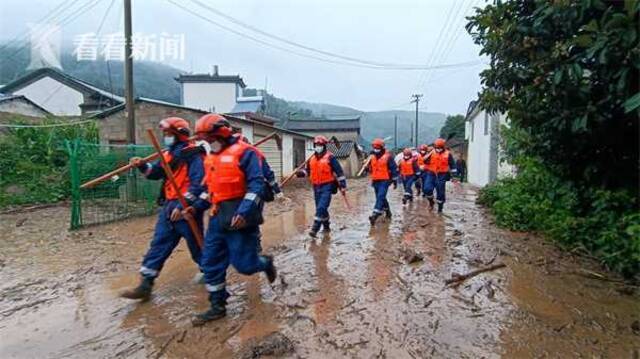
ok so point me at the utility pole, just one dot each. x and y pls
(128, 75)
(416, 99)
(395, 133)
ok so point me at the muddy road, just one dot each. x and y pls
(348, 294)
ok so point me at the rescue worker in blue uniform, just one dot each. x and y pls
(409, 173)
(273, 191)
(327, 177)
(438, 167)
(186, 163)
(235, 186)
(383, 172)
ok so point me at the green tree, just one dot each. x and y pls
(453, 125)
(566, 71)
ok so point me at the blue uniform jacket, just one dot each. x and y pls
(250, 164)
(195, 166)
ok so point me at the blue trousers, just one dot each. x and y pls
(439, 183)
(322, 196)
(407, 182)
(239, 248)
(165, 238)
(380, 188)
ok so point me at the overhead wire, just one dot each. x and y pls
(296, 44)
(306, 55)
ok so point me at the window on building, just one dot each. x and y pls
(486, 123)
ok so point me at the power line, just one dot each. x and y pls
(65, 21)
(47, 125)
(271, 45)
(437, 44)
(298, 45)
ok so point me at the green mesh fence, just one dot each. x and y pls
(127, 195)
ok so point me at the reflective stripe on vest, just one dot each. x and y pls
(181, 175)
(380, 167)
(225, 179)
(320, 168)
(406, 167)
(439, 162)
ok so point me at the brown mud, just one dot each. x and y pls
(351, 293)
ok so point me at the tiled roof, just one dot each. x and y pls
(210, 78)
(62, 77)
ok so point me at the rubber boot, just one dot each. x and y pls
(431, 203)
(217, 311)
(440, 206)
(314, 229)
(388, 213)
(326, 227)
(404, 200)
(142, 291)
(271, 271)
(373, 218)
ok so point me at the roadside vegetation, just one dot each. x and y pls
(566, 72)
(34, 161)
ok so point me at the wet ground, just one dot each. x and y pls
(348, 294)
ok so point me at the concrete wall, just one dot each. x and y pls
(479, 152)
(210, 96)
(112, 129)
(53, 96)
(485, 157)
(21, 107)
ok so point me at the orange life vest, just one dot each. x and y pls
(320, 168)
(406, 167)
(439, 162)
(224, 177)
(181, 175)
(380, 167)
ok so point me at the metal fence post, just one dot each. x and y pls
(74, 171)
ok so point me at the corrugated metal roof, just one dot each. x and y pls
(247, 106)
(343, 151)
(324, 125)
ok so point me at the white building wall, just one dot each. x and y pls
(478, 154)
(53, 96)
(210, 96)
(287, 153)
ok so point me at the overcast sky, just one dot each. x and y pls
(389, 31)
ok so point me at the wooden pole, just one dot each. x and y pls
(172, 181)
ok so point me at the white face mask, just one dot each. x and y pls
(423, 152)
(407, 157)
(169, 140)
(439, 150)
(376, 150)
(216, 146)
(318, 149)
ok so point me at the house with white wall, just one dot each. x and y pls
(60, 93)
(485, 158)
(210, 92)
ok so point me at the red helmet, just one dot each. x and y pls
(424, 148)
(320, 140)
(213, 124)
(439, 143)
(378, 143)
(407, 152)
(177, 126)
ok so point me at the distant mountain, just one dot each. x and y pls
(325, 109)
(156, 81)
(380, 123)
(151, 79)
